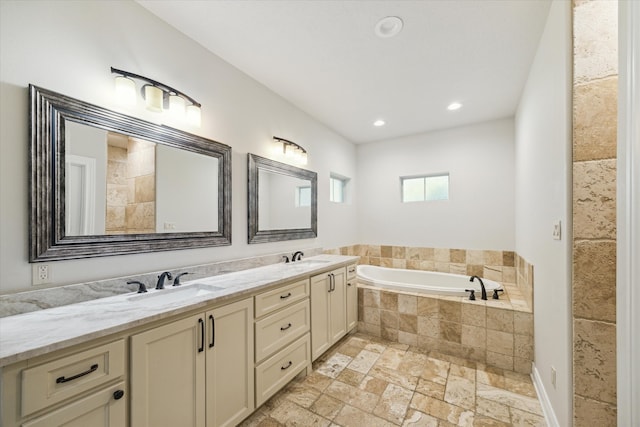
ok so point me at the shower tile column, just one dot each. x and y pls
(594, 212)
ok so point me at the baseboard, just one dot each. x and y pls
(547, 409)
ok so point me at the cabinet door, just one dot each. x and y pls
(230, 373)
(168, 375)
(101, 409)
(320, 333)
(352, 304)
(338, 305)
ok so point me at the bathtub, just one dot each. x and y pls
(427, 282)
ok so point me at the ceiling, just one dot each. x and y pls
(324, 56)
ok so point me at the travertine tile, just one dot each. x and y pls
(473, 336)
(508, 259)
(493, 258)
(508, 398)
(473, 313)
(595, 120)
(500, 342)
(334, 365)
(450, 331)
(523, 418)
(408, 304)
(499, 360)
(408, 323)
(393, 404)
(594, 280)
(427, 265)
(371, 298)
(588, 412)
(428, 327)
(595, 40)
(458, 256)
(354, 417)
(389, 301)
(523, 346)
(371, 315)
(441, 255)
(427, 307)
(523, 323)
(460, 392)
(398, 252)
(475, 269)
(363, 361)
(412, 253)
(450, 311)
(456, 268)
(442, 410)
(462, 371)
(399, 263)
(302, 395)
(389, 319)
(351, 377)
(493, 409)
(373, 385)
(413, 363)
(289, 413)
(352, 395)
(386, 251)
(430, 388)
(327, 406)
(407, 338)
(594, 200)
(419, 419)
(594, 360)
(499, 319)
(394, 377)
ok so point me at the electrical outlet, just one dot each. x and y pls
(41, 274)
(169, 225)
(553, 377)
(557, 230)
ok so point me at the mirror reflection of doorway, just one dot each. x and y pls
(80, 178)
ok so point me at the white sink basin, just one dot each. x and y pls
(172, 295)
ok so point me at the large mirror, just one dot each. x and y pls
(283, 201)
(103, 183)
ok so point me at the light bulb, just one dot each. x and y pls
(194, 115)
(176, 106)
(153, 98)
(125, 90)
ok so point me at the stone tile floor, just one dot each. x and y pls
(368, 382)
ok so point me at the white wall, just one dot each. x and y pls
(68, 47)
(479, 213)
(543, 177)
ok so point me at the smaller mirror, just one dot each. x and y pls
(283, 201)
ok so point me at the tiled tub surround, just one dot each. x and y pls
(40, 332)
(498, 333)
(40, 299)
(506, 267)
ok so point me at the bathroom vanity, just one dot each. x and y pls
(207, 353)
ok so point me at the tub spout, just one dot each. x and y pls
(484, 291)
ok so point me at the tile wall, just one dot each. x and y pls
(595, 86)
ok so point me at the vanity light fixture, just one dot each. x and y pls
(158, 97)
(290, 150)
(454, 106)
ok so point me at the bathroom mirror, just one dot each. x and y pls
(103, 183)
(283, 201)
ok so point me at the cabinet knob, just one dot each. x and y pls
(118, 394)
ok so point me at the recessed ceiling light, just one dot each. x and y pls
(379, 123)
(454, 106)
(388, 27)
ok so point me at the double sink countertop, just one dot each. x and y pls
(28, 335)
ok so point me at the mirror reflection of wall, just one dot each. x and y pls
(117, 184)
(284, 201)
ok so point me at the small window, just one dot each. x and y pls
(425, 188)
(303, 196)
(338, 188)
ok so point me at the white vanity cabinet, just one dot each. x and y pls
(352, 298)
(283, 345)
(82, 388)
(328, 310)
(196, 371)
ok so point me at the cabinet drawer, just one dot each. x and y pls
(275, 372)
(352, 271)
(270, 301)
(275, 331)
(60, 379)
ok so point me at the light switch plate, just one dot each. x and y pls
(557, 230)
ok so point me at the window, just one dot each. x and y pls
(303, 196)
(425, 188)
(337, 188)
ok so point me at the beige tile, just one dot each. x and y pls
(388, 333)
(493, 409)
(508, 275)
(500, 342)
(393, 404)
(427, 265)
(594, 362)
(371, 298)
(398, 252)
(439, 409)
(116, 172)
(412, 253)
(407, 338)
(475, 269)
(386, 262)
(442, 267)
(373, 385)
(594, 200)
(302, 395)
(427, 307)
(475, 257)
(395, 377)
(375, 251)
(389, 319)
(595, 40)
(354, 417)
(484, 421)
(375, 347)
(389, 301)
(594, 280)
(450, 331)
(289, 413)
(460, 392)
(441, 255)
(408, 323)
(462, 371)
(508, 259)
(456, 268)
(352, 395)
(473, 313)
(430, 388)
(523, 323)
(499, 360)
(450, 311)
(473, 336)
(413, 363)
(419, 419)
(116, 195)
(363, 361)
(524, 387)
(351, 377)
(523, 346)
(522, 366)
(390, 358)
(427, 254)
(493, 258)
(145, 188)
(595, 120)
(371, 315)
(334, 365)
(588, 412)
(317, 381)
(115, 218)
(458, 256)
(327, 406)
(428, 327)
(386, 251)
(523, 418)
(508, 398)
(408, 304)
(492, 272)
(499, 319)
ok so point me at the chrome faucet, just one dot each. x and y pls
(484, 291)
(160, 284)
(297, 256)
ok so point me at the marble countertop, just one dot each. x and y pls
(36, 333)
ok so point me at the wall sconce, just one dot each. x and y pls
(158, 97)
(290, 150)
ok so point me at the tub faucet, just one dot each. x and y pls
(297, 256)
(160, 284)
(484, 291)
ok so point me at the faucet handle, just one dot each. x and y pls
(176, 281)
(286, 258)
(141, 287)
(472, 294)
(495, 293)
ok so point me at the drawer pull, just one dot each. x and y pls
(62, 379)
(201, 325)
(213, 331)
(285, 327)
(285, 296)
(348, 283)
(287, 366)
(118, 394)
